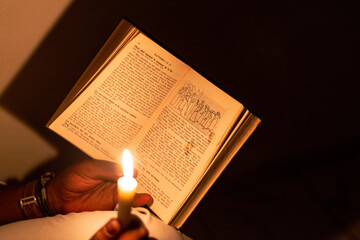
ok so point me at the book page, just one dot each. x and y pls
(118, 104)
(180, 144)
(122, 34)
(239, 134)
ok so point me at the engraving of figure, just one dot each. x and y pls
(195, 114)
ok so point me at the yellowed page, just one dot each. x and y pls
(118, 104)
(122, 34)
(172, 155)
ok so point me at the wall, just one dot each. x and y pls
(23, 26)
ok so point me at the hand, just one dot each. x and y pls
(112, 229)
(87, 186)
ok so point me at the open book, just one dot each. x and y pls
(180, 128)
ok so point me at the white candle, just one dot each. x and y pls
(126, 190)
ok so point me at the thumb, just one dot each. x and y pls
(108, 231)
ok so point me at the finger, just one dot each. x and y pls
(108, 231)
(134, 234)
(100, 170)
(142, 199)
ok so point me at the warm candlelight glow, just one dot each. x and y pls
(126, 189)
(127, 185)
(127, 164)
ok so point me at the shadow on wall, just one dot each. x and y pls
(314, 197)
(38, 89)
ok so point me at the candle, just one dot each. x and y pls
(126, 190)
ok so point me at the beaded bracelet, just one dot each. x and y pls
(40, 192)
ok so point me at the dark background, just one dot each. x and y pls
(294, 63)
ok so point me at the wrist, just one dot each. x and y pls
(34, 202)
(52, 198)
(42, 194)
(29, 203)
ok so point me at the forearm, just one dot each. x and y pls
(20, 202)
(10, 210)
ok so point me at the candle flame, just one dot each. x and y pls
(127, 164)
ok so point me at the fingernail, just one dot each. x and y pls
(112, 227)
